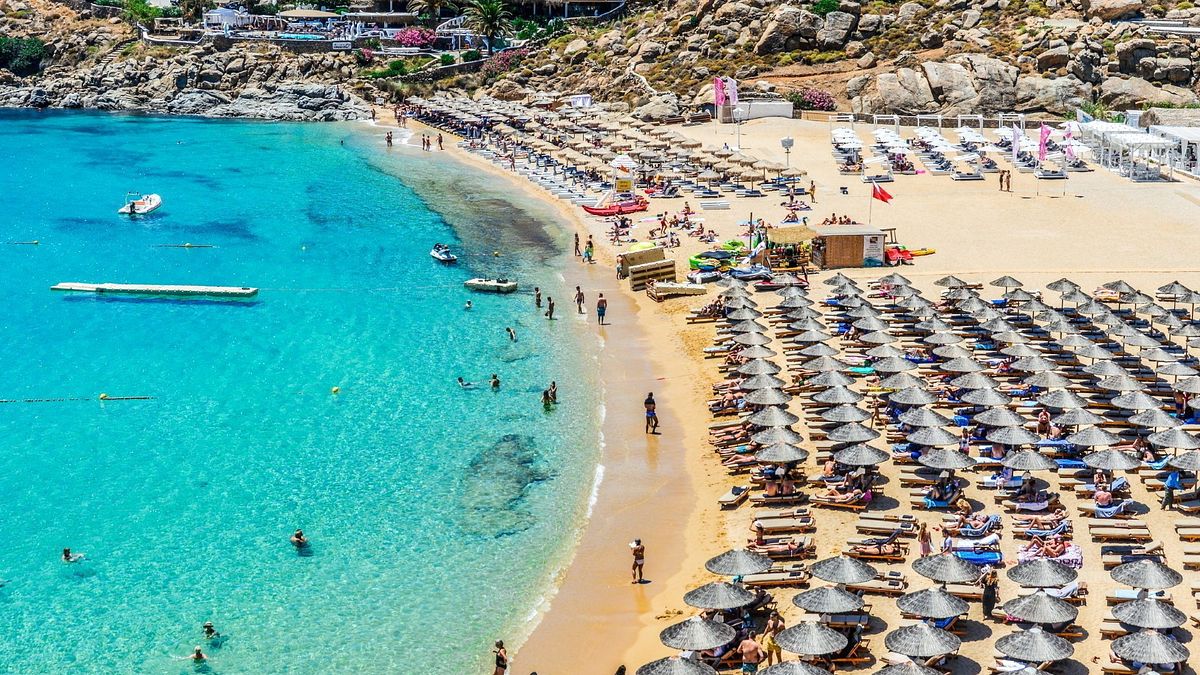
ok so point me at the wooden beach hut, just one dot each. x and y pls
(848, 246)
(789, 248)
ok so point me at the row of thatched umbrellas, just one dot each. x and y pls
(654, 148)
(923, 640)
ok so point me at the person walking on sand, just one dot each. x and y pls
(440, 142)
(651, 414)
(579, 300)
(577, 253)
(1000, 177)
(752, 653)
(501, 658)
(775, 626)
(924, 539)
(601, 308)
(550, 308)
(639, 559)
(990, 583)
(537, 297)
(812, 191)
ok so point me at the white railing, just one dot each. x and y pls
(450, 25)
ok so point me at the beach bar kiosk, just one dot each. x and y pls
(847, 246)
(645, 264)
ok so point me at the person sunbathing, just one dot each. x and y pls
(882, 548)
(1051, 547)
(966, 521)
(1045, 521)
(789, 548)
(833, 495)
(738, 461)
(1103, 498)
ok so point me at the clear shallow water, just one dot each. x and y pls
(437, 514)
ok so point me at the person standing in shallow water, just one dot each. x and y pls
(651, 414)
(579, 300)
(550, 308)
(601, 308)
(501, 658)
(577, 252)
(537, 297)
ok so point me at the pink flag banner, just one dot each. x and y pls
(1016, 143)
(1044, 136)
(731, 90)
(718, 91)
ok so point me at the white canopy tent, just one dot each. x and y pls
(1187, 145)
(1141, 156)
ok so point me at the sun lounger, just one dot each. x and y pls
(869, 526)
(796, 575)
(735, 497)
(772, 525)
(860, 653)
(858, 505)
(1119, 595)
(889, 583)
(965, 591)
(1120, 534)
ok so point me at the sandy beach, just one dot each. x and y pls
(1092, 228)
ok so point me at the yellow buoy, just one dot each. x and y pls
(103, 397)
(496, 253)
(335, 390)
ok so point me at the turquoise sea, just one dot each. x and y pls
(438, 515)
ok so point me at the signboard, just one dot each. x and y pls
(624, 185)
(873, 247)
(343, 46)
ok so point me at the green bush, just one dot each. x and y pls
(22, 56)
(109, 3)
(264, 9)
(447, 59)
(140, 11)
(1184, 5)
(471, 55)
(823, 7)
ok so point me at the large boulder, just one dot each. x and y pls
(1134, 92)
(576, 50)
(1058, 95)
(837, 29)
(661, 106)
(1107, 10)
(1053, 58)
(1130, 52)
(790, 28)
(995, 80)
(905, 91)
(907, 12)
(650, 50)
(951, 86)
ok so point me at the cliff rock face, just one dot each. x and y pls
(945, 56)
(95, 64)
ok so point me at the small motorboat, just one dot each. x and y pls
(139, 204)
(442, 253)
(491, 285)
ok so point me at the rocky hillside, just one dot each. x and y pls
(948, 56)
(93, 63)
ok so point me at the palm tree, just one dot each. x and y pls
(489, 18)
(431, 7)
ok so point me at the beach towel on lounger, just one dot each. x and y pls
(1111, 511)
(981, 557)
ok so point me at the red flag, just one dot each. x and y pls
(879, 193)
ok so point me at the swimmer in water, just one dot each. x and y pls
(196, 655)
(547, 402)
(210, 632)
(464, 384)
(512, 334)
(553, 390)
(298, 539)
(495, 381)
(69, 557)
(468, 305)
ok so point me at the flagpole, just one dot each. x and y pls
(871, 203)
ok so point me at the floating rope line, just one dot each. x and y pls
(102, 397)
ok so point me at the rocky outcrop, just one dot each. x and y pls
(86, 69)
(789, 28)
(237, 82)
(1124, 93)
(1107, 10)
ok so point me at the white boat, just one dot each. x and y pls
(139, 205)
(442, 253)
(491, 285)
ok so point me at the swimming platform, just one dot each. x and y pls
(158, 289)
